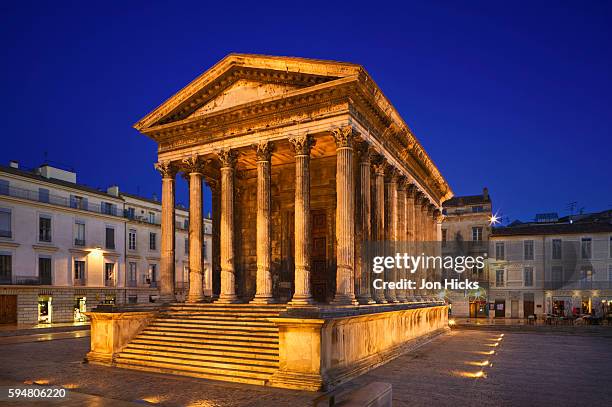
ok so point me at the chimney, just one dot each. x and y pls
(113, 190)
(14, 164)
(485, 193)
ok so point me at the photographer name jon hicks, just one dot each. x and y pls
(407, 284)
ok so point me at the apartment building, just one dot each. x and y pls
(466, 228)
(557, 266)
(66, 247)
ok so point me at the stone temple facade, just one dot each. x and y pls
(307, 160)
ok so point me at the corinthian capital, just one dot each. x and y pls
(193, 164)
(263, 150)
(302, 144)
(411, 190)
(402, 183)
(167, 169)
(344, 136)
(379, 164)
(227, 156)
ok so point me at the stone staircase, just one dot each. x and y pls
(230, 342)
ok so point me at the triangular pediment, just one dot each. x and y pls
(244, 91)
(239, 79)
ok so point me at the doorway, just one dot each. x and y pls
(514, 309)
(8, 309)
(500, 308)
(80, 307)
(319, 277)
(528, 305)
(45, 309)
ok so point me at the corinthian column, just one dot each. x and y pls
(426, 238)
(194, 168)
(379, 219)
(263, 292)
(228, 277)
(400, 235)
(166, 281)
(410, 231)
(418, 237)
(362, 265)
(391, 227)
(215, 191)
(345, 217)
(302, 295)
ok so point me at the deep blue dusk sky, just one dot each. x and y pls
(516, 97)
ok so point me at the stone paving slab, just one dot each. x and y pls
(528, 369)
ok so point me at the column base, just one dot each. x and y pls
(194, 299)
(263, 300)
(344, 300)
(228, 299)
(167, 298)
(366, 300)
(381, 301)
(301, 302)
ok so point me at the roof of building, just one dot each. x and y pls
(467, 200)
(37, 177)
(600, 222)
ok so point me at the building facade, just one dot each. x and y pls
(556, 266)
(466, 227)
(65, 247)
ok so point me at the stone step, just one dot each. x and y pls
(250, 314)
(194, 366)
(221, 333)
(246, 354)
(221, 362)
(223, 346)
(218, 321)
(204, 339)
(215, 374)
(213, 326)
(221, 305)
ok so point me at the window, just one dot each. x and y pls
(44, 270)
(109, 272)
(477, 234)
(151, 217)
(205, 250)
(79, 233)
(78, 202)
(152, 241)
(186, 246)
(4, 187)
(499, 278)
(132, 299)
(110, 238)
(132, 273)
(528, 276)
(477, 209)
(609, 273)
(6, 268)
(108, 208)
(610, 248)
(43, 195)
(44, 228)
(586, 277)
(556, 249)
(500, 251)
(132, 239)
(79, 271)
(586, 247)
(152, 277)
(528, 250)
(186, 224)
(5, 223)
(130, 213)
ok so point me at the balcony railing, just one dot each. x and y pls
(132, 283)
(32, 195)
(109, 283)
(79, 242)
(80, 282)
(6, 233)
(26, 280)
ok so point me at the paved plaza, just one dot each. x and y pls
(527, 369)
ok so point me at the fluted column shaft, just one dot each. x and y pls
(379, 220)
(228, 276)
(400, 235)
(345, 217)
(391, 228)
(196, 292)
(410, 231)
(364, 204)
(215, 190)
(425, 236)
(302, 294)
(166, 281)
(263, 292)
